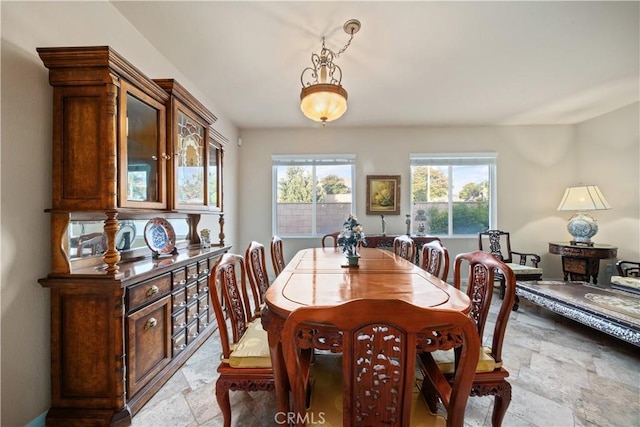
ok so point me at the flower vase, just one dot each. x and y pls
(353, 260)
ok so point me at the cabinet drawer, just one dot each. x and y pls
(192, 292)
(203, 303)
(179, 342)
(192, 272)
(203, 286)
(192, 331)
(148, 344)
(179, 278)
(203, 268)
(203, 321)
(192, 311)
(146, 292)
(179, 321)
(179, 300)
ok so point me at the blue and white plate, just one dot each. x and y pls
(160, 236)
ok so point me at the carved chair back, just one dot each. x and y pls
(405, 247)
(434, 259)
(482, 267)
(257, 272)
(228, 281)
(384, 335)
(277, 255)
(497, 243)
(331, 236)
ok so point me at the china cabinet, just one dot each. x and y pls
(128, 151)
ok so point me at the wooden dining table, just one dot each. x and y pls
(319, 277)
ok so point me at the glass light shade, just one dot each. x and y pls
(323, 102)
(585, 198)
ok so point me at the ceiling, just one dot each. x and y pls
(413, 63)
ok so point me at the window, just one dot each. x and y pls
(453, 194)
(312, 194)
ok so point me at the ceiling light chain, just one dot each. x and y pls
(323, 98)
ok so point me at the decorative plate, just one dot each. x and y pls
(160, 236)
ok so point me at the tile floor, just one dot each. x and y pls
(563, 374)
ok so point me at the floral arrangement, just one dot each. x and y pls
(351, 234)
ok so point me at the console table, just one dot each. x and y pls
(581, 262)
(386, 241)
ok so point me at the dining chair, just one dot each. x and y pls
(373, 381)
(498, 243)
(405, 247)
(490, 376)
(245, 362)
(434, 258)
(331, 236)
(277, 255)
(257, 274)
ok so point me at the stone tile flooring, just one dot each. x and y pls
(563, 374)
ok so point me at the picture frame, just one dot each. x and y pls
(383, 194)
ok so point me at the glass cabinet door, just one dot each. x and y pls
(214, 177)
(143, 153)
(190, 161)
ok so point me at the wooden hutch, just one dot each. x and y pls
(126, 149)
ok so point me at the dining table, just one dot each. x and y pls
(321, 277)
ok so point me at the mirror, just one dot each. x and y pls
(87, 238)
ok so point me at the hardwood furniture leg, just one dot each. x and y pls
(273, 325)
(222, 396)
(501, 403)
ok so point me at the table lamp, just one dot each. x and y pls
(581, 225)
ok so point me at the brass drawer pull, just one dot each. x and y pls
(151, 323)
(152, 291)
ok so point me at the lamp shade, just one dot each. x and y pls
(584, 198)
(323, 102)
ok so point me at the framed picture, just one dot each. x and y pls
(383, 194)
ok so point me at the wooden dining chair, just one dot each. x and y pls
(245, 362)
(257, 274)
(331, 236)
(434, 258)
(373, 382)
(277, 255)
(405, 247)
(490, 376)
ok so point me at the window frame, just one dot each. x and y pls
(308, 160)
(459, 159)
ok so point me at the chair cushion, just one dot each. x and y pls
(628, 282)
(252, 350)
(327, 393)
(524, 269)
(446, 359)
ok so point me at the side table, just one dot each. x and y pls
(582, 262)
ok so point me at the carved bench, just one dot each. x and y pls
(611, 311)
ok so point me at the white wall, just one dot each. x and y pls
(532, 161)
(608, 155)
(535, 165)
(26, 177)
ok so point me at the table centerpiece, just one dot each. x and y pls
(349, 239)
